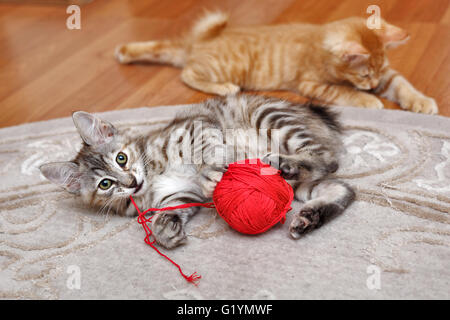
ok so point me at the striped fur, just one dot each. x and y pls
(183, 161)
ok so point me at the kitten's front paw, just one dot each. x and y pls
(369, 101)
(421, 104)
(122, 55)
(168, 229)
(210, 181)
(290, 169)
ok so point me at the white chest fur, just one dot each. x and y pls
(176, 179)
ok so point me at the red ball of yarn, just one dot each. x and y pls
(252, 196)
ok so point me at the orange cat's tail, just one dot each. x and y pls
(209, 26)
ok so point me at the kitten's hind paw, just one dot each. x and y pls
(305, 220)
(168, 229)
(311, 217)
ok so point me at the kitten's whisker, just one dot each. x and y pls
(107, 204)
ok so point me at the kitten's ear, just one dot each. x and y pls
(391, 36)
(353, 53)
(93, 130)
(64, 174)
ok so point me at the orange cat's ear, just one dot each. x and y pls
(392, 36)
(354, 53)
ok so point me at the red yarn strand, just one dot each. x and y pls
(142, 220)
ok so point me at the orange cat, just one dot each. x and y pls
(340, 63)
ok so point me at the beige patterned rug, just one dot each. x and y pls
(393, 242)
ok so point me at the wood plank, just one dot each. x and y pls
(47, 71)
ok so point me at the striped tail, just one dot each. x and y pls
(209, 26)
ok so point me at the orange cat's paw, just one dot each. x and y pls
(228, 89)
(422, 104)
(370, 102)
(122, 55)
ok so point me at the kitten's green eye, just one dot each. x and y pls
(105, 184)
(121, 159)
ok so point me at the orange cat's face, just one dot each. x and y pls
(365, 75)
(360, 53)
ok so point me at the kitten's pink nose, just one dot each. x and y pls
(133, 183)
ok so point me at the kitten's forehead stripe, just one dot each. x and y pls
(98, 171)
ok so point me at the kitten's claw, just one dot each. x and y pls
(168, 229)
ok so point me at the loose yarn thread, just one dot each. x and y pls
(246, 188)
(142, 220)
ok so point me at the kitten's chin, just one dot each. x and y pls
(131, 211)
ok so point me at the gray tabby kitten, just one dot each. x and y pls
(183, 161)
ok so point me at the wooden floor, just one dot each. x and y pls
(48, 71)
